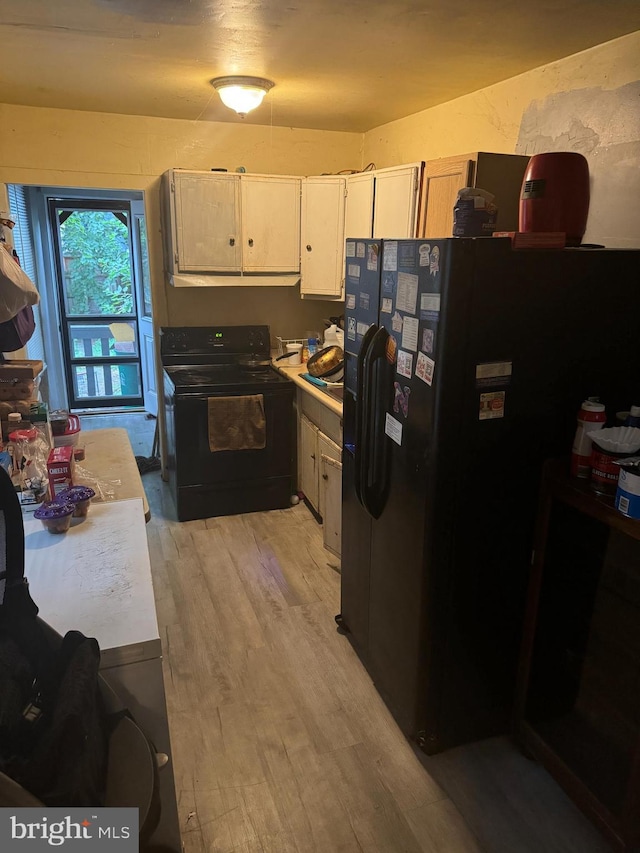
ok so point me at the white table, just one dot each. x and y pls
(109, 457)
(96, 578)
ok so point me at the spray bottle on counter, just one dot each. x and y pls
(591, 417)
(634, 417)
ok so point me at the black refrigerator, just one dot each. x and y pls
(466, 364)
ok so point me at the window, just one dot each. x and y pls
(22, 236)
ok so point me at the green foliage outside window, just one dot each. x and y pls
(96, 263)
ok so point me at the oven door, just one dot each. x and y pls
(196, 465)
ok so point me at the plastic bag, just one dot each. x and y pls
(30, 474)
(474, 213)
(17, 291)
(105, 489)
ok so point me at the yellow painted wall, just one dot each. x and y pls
(489, 120)
(588, 102)
(53, 147)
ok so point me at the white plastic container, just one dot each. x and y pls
(331, 337)
(628, 494)
(295, 359)
(591, 417)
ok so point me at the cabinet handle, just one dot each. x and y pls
(250, 241)
(313, 456)
(325, 476)
(308, 247)
(232, 241)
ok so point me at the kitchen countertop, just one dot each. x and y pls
(96, 578)
(294, 373)
(109, 457)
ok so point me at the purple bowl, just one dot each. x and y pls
(55, 515)
(80, 497)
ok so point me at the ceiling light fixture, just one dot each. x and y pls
(242, 94)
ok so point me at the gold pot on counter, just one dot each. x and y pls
(326, 363)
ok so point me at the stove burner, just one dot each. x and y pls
(219, 375)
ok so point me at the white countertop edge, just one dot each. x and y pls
(293, 373)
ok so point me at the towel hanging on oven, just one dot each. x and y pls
(237, 423)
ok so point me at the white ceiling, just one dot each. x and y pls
(337, 64)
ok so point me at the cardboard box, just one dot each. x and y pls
(534, 239)
(20, 368)
(60, 466)
(16, 389)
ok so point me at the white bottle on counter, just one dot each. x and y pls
(334, 337)
(591, 417)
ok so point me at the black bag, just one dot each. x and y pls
(15, 333)
(65, 739)
(61, 752)
(53, 725)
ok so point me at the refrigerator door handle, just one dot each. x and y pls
(375, 456)
(360, 473)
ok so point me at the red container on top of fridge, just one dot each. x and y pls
(555, 195)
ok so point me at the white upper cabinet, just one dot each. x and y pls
(395, 209)
(384, 202)
(207, 237)
(359, 206)
(217, 224)
(322, 236)
(270, 223)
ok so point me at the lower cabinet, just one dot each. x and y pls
(331, 479)
(320, 466)
(309, 463)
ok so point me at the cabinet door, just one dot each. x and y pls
(395, 206)
(322, 243)
(308, 462)
(329, 450)
(331, 471)
(441, 182)
(270, 223)
(206, 221)
(359, 206)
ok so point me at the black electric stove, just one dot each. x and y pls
(225, 361)
(201, 378)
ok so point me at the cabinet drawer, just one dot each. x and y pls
(327, 421)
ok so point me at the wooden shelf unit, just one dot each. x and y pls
(577, 707)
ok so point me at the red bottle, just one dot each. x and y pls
(591, 417)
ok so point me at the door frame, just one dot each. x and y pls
(85, 203)
(147, 340)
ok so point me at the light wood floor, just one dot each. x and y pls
(280, 741)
